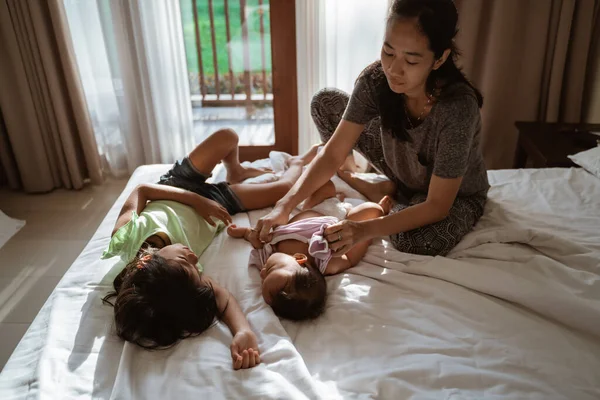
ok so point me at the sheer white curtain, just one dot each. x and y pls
(335, 40)
(132, 65)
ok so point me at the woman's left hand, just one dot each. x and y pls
(343, 236)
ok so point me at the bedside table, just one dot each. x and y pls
(547, 145)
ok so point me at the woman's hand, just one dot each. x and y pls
(244, 350)
(278, 216)
(207, 208)
(344, 235)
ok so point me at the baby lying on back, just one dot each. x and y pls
(296, 259)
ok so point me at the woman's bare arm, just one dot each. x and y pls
(441, 196)
(325, 164)
(319, 171)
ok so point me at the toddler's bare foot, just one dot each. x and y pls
(236, 231)
(386, 204)
(240, 174)
(245, 233)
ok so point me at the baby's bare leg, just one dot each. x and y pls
(362, 212)
(370, 210)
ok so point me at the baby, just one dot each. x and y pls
(293, 264)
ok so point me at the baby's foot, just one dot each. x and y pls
(241, 173)
(386, 204)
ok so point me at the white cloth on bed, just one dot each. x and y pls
(513, 313)
(589, 160)
(8, 227)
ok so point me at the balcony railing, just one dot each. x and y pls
(228, 47)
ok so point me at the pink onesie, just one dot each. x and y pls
(309, 231)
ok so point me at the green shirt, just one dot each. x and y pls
(179, 222)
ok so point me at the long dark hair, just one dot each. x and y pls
(157, 304)
(437, 20)
(306, 298)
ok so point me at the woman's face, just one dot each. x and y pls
(277, 275)
(406, 58)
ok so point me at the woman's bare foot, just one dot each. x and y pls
(350, 164)
(245, 233)
(307, 157)
(346, 176)
(386, 204)
(372, 191)
(240, 174)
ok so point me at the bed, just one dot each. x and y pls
(512, 313)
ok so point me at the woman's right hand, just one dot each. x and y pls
(278, 216)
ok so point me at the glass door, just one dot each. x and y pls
(241, 58)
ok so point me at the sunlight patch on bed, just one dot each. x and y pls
(355, 292)
(20, 287)
(328, 388)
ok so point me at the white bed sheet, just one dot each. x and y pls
(513, 312)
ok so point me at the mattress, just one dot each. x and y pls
(512, 313)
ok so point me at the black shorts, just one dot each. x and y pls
(185, 176)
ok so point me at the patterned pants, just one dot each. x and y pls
(327, 109)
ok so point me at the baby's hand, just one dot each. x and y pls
(244, 350)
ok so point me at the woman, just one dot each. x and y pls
(415, 117)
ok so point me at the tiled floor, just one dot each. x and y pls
(59, 225)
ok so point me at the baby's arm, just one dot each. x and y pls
(244, 346)
(248, 234)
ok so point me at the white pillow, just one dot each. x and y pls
(589, 160)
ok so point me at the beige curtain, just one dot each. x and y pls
(533, 60)
(592, 95)
(8, 169)
(47, 139)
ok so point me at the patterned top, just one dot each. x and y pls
(446, 143)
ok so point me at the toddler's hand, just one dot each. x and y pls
(207, 208)
(244, 350)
